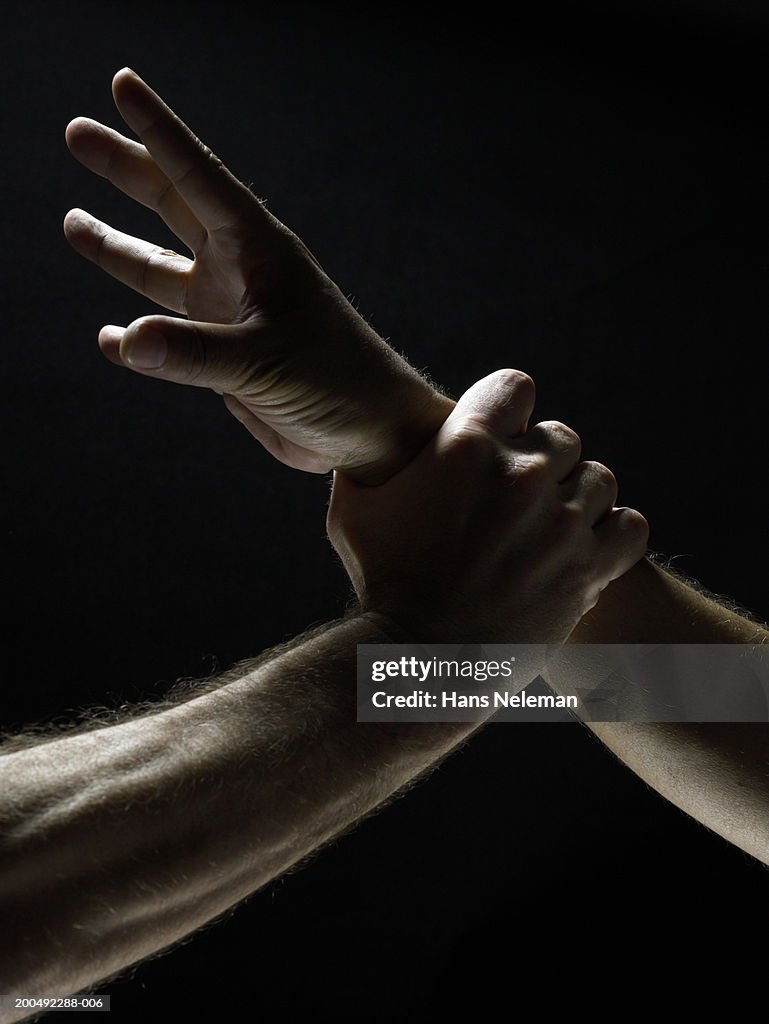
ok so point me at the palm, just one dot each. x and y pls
(216, 290)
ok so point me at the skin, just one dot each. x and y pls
(267, 328)
(313, 383)
(252, 283)
(119, 841)
(716, 772)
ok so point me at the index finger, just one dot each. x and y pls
(211, 191)
(500, 404)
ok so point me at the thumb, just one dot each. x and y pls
(187, 352)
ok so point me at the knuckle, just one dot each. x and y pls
(556, 436)
(518, 382)
(468, 441)
(601, 475)
(516, 378)
(531, 472)
(626, 541)
(635, 525)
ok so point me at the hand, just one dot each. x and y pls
(492, 533)
(268, 329)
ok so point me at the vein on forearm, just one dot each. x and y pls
(118, 842)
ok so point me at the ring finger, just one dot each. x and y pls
(158, 273)
(554, 442)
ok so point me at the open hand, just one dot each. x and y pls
(267, 328)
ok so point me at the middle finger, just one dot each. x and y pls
(130, 168)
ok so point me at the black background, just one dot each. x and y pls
(570, 190)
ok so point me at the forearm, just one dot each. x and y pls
(649, 605)
(716, 772)
(120, 841)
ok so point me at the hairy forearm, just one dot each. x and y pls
(120, 841)
(650, 605)
(716, 772)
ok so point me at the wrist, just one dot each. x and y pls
(404, 435)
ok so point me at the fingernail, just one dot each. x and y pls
(146, 351)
